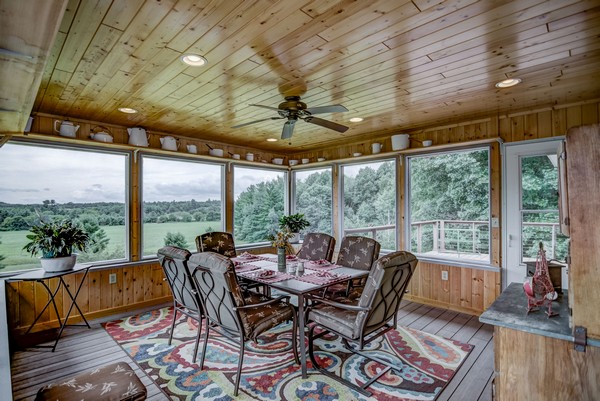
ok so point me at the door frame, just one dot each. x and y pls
(509, 167)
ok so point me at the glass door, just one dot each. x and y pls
(531, 207)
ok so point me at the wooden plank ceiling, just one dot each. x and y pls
(398, 64)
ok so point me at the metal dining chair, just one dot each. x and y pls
(220, 242)
(317, 246)
(359, 253)
(372, 315)
(174, 262)
(237, 315)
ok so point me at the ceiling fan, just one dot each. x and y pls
(293, 110)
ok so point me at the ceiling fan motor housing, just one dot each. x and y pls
(292, 103)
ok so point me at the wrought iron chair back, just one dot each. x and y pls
(383, 292)
(219, 291)
(174, 262)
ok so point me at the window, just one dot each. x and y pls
(313, 198)
(50, 182)
(181, 200)
(369, 191)
(259, 203)
(449, 205)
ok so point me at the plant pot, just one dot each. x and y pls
(58, 264)
(295, 239)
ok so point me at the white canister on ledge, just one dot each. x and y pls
(400, 141)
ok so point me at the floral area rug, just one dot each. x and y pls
(269, 372)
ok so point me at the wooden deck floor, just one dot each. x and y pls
(82, 349)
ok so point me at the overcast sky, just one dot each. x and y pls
(32, 174)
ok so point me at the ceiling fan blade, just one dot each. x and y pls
(327, 124)
(264, 107)
(334, 108)
(288, 129)
(256, 121)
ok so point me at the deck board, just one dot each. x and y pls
(82, 349)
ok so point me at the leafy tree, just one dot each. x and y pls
(98, 239)
(257, 210)
(313, 199)
(175, 239)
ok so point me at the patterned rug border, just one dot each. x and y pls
(346, 395)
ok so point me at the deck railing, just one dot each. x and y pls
(458, 236)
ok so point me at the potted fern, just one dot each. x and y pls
(294, 223)
(56, 241)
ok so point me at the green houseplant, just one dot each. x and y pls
(294, 223)
(56, 241)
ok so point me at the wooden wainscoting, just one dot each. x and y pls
(467, 289)
(136, 287)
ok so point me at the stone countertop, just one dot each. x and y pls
(510, 310)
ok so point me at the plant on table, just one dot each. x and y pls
(56, 239)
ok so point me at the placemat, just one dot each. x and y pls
(245, 268)
(319, 267)
(322, 278)
(279, 276)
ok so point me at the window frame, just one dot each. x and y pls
(129, 160)
(142, 156)
(341, 203)
(407, 215)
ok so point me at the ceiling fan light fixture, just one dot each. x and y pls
(193, 60)
(271, 139)
(127, 110)
(507, 83)
(356, 119)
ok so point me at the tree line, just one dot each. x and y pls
(16, 217)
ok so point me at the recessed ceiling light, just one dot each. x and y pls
(194, 60)
(356, 119)
(271, 139)
(507, 83)
(127, 110)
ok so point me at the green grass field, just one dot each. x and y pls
(153, 237)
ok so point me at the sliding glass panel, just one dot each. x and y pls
(40, 182)
(370, 201)
(259, 203)
(449, 205)
(313, 198)
(181, 200)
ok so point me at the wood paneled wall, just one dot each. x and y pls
(468, 289)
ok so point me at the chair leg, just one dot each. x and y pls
(206, 325)
(197, 340)
(295, 337)
(173, 323)
(239, 369)
(311, 338)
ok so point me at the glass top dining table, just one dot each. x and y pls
(317, 275)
